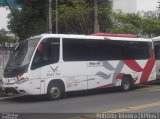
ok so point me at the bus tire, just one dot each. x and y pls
(55, 90)
(126, 84)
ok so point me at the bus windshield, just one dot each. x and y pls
(21, 56)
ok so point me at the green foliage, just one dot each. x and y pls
(135, 24)
(150, 14)
(74, 19)
(77, 16)
(29, 21)
(1, 94)
(151, 27)
(6, 39)
(74, 16)
(124, 29)
(3, 37)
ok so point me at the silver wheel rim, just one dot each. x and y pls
(55, 92)
(126, 85)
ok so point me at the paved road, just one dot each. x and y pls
(142, 99)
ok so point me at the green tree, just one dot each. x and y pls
(150, 27)
(74, 16)
(144, 26)
(6, 38)
(78, 16)
(3, 37)
(28, 21)
(150, 14)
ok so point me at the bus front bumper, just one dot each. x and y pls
(12, 91)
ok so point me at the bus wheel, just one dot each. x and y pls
(55, 91)
(126, 84)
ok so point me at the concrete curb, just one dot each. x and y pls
(3, 98)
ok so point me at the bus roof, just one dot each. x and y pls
(115, 35)
(156, 38)
(94, 37)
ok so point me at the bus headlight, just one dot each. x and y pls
(20, 80)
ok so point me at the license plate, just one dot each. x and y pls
(10, 81)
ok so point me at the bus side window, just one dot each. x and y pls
(47, 53)
(157, 52)
(51, 54)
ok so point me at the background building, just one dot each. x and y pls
(4, 11)
(133, 6)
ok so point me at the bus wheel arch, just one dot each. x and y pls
(55, 89)
(127, 83)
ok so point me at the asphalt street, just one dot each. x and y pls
(141, 99)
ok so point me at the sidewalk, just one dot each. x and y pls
(3, 96)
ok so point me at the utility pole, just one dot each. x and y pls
(8, 5)
(49, 16)
(56, 16)
(158, 9)
(96, 24)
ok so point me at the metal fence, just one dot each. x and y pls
(4, 56)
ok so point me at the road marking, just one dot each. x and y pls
(152, 90)
(149, 88)
(120, 110)
(131, 108)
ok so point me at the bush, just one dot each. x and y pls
(1, 94)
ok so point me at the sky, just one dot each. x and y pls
(130, 6)
(3, 17)
(147, 4)
(126, 5)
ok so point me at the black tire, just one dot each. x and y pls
(126, 84)
(55, 91)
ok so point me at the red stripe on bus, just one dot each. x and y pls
(148, 69)
(132, 64)
(115, 35)
(105, 86)
(120, 76)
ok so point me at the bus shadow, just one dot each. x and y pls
(75, 94)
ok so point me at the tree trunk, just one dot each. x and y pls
(158, 9)
(96, 23)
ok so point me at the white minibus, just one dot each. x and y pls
(53, 64)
